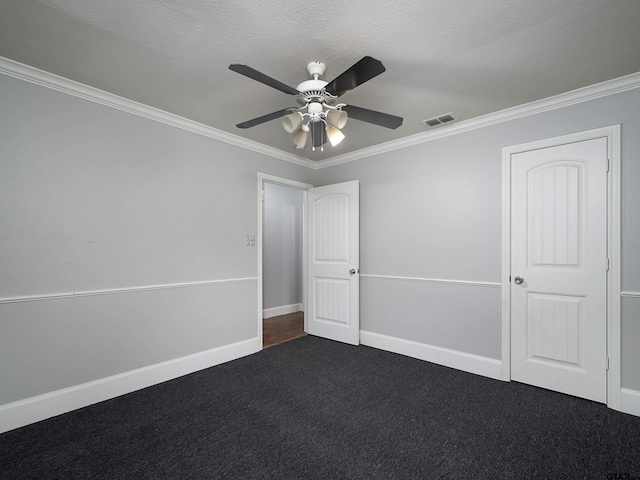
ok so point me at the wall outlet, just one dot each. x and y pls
(249, 240)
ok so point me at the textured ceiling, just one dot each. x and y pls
(469, 57)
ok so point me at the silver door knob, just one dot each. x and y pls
(518, 280)
(352, 271)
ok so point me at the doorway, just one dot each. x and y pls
(330, 270)
(561, 327)
(281, 262)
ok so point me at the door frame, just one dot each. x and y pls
(612, 133)
(266, 178)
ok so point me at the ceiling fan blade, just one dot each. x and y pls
(318, 134)
(371, 116)
(265, 118)
(247, 71)
(364, 70)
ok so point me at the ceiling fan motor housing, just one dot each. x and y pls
(313, 90)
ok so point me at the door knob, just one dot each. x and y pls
(518, 280)
(352, 271)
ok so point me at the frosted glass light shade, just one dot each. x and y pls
(300, 138)
(291, 122)
(337, 118)
(335, 136)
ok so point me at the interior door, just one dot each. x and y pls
(558, 268)
(333, 283)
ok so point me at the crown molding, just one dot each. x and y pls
(609, 87)
(55, 82)
(71, 87)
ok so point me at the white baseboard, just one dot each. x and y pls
(630, 401)
(31, 410)
(283, 310)
(467, 362)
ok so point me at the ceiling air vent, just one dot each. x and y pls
(439, 120)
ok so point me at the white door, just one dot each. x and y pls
(333, 284)
(558, 268)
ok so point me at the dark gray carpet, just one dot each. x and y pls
(316, 409)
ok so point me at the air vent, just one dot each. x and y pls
(439, 120)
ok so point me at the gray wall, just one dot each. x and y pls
(434, 211)
(92, 198)
(282, 246)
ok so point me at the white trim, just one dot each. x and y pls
(612, 133)
(630, 294)
(505, 316)
(282, 310)
(591, 92)
(629, 401)
(614, 275)
(113, 291)
(30, 410)
(434, 280)
(467, 362)
(64, 85)
(266, 178)
(45, 79)
(284, 181)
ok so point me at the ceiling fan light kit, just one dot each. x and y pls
(337, 118)
(300, 138)
(335, 136)
(292, 121)
(318, 116)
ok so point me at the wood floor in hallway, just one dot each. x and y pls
(283, 328)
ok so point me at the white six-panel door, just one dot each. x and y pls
(558, 268)
(333, 262)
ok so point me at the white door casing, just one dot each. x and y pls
(332, 309)
(262, 179)
(559, 249)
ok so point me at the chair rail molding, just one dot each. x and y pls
(113, 291)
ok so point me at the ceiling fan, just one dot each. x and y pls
(318, 115)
